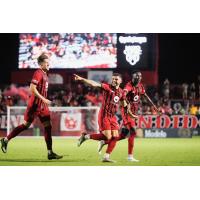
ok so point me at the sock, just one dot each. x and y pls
(131, 144)
(50, 151)
(111, 145)
(16, 132)
(107, 155)
(48, 138)
(121, 137)
(99, 136)
(130, 155)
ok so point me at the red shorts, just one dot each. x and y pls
(128, 121)
(32, 112)
(107, 123)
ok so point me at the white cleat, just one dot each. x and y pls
(108, 160)
(132, 159)
(100, 146)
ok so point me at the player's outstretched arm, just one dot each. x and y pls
(89, 82)
(37, 94)
(150, 101)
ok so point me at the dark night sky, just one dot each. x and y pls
(179, 58)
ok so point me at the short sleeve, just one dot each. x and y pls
(105, 86)
(36, 78)
(127, 88)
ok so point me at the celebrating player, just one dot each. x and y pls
(37, 106)
(108, 125)
(132, 92)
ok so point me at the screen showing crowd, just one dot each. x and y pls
(69, 50)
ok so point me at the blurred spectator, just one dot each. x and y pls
(198, 86)
(71, 50)
(184, 90)
(9, 101)
(192, 91)
(193, 109)
(155, 97)
(166, 88)
(182, 111)
(160, 108)
(153, 112)
(198, 112)
(167, 109)
(2, 105)
(82, 95)
(146, 110)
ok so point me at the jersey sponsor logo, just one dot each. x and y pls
(116, 99)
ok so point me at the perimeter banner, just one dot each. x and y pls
(64, 124)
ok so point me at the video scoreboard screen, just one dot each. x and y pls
(135, 51)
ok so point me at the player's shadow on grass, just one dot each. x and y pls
(44, 160)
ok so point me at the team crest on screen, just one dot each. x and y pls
(116, 99)
(133, 54)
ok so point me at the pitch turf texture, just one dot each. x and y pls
(150, 152)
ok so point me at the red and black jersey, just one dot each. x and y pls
(40, 79)
(111, 99)
(133, 94)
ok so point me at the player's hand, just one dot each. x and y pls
(134, 116)
(48, 102)
(77, 78)
(131, 114)
(159, 112)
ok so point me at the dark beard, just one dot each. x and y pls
(135, 83)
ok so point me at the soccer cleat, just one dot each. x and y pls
(132, 159)
(53, 155)
(108, 160)
(4, 145)
(100, 146)
(81, 139)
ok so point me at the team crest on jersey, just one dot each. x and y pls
(116, 99)
(136, 98)
(133, 54)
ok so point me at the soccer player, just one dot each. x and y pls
(108, 125)
(37, 106)
(132, 93)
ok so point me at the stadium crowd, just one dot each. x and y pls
(170, 99)
(69, 48)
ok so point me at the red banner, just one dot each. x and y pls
(74, 124)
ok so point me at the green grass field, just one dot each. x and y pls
(150, 152)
